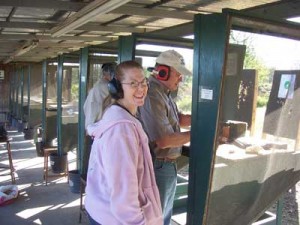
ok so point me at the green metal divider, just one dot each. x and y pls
(211, 39)
(84, 70)
(10, 95)
(22, 94)
(17, 111)
(280, 204)
(13, 93)
(28, 92)
(126, 48)
(44, 102)
(59, 80)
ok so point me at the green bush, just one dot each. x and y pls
(262, 101)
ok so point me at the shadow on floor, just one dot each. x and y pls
(37, 203)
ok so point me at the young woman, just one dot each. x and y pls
(121, 187)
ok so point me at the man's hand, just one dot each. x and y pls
(173, 140)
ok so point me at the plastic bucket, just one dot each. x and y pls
(58, 162)
(28, 133)
(74, 181)
(20, 126)
(14, 122)
(39, 148)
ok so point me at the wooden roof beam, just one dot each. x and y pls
(49, 38)
(88, 27)
(53, 4)
(160, 13)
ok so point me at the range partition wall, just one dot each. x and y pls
(83, 75)
(70, 93)
(49, 109)
(91, 61)
(245, 119)
(25, 96)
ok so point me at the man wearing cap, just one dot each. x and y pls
(93, 105)
(161, 121)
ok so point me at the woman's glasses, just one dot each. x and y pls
(135, 84)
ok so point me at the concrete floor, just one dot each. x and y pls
(37, 203)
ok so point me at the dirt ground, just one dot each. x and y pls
(290, 212)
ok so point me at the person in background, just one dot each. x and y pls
(121, 187)
(161, 121)
(93, 105)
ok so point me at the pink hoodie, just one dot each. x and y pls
(121, 187)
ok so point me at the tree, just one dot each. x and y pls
(251, 61)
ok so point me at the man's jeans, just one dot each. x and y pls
(92, 221)
(166, 180)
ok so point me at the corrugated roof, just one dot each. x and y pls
(36, 21)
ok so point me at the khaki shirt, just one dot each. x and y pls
(93, 105)
(159, 117)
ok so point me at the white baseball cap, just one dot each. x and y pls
(173, 59)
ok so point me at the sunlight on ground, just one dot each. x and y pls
(37, 221)
(23, 186)
(20, 142)
(73, 204)
(56, 207)
(27, 213)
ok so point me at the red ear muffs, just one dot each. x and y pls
(163, 72)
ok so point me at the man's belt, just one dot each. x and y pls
(166, 159)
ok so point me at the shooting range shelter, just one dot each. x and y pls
(236, 171)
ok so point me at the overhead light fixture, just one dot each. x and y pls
(22, 50)
(86, 14)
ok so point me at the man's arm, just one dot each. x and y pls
(173, 140)
(185, 120)
(157, 125)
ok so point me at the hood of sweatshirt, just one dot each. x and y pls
(110, 118)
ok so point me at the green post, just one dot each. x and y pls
(13, 93)
(28, 93)
(126, 48)
(17, 111)
(279, 211)
(9, 96)
(84, 70)
(22, 94)
(211, 39)
(59, 80)
(44, 102)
